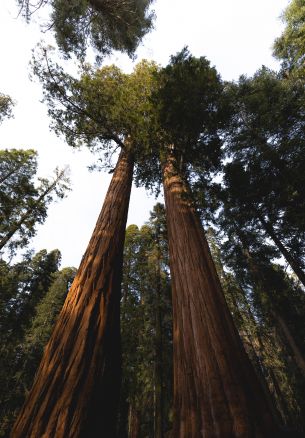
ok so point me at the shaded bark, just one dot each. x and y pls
(216, 391)
(76, 389)
(288, 256)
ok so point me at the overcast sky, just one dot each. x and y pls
(236, 36)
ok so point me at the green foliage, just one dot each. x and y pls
(190, 108)
(105, 109)
(265, 146)
(23, 202)
(256, 291)
(32, 294)
(146, 324)
(23, 285)
(106, 24)
(290, 46)
(6, 104)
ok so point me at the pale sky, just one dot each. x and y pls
(236, 36)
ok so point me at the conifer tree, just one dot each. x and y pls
(107, 25)
(146, 330)
(23, 202)
(290, 46)
(222, 395)
(265, 143)
(23, 286)
(6, 104)
(178, 130)
(100, 109)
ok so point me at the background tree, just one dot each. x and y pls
(265, 143)
(251, 296)
(146, 330)
(23, 202)
(32, 293)
(6, 104)
(290, 46)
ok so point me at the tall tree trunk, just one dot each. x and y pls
(288, 256)
(76, 389)
(216, 391)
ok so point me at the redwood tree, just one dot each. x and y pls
(216, 391)
(106, 25)
(76, 389)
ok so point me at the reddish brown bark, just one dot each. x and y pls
(76, 390)
(216, 391)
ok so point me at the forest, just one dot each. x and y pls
(190, 325)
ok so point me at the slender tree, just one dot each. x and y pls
(146, 330)
(268, 301)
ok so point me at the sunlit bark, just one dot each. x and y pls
(216, 391)
(76, 390)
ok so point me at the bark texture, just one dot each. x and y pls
(216, 391)
(76, 390)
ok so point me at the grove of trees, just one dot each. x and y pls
(193, 324)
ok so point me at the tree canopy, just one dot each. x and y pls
(23, 199)
(6, 104)
(290, 46)
(106, 24)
